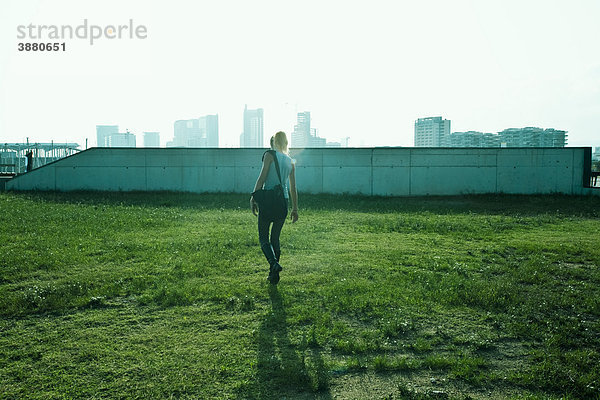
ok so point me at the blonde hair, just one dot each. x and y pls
(280, 142)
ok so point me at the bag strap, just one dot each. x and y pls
(274, 154)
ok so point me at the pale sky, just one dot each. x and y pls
(364, 69)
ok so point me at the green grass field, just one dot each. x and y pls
(163, 295)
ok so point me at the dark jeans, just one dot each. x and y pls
(264, 221)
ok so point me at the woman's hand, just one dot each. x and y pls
(294, 216)
(253, 206)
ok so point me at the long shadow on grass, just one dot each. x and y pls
(282, 367)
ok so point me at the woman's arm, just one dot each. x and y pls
(294, 194)
(262, 177)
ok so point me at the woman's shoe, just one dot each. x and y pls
(274, 273)
(272, 259)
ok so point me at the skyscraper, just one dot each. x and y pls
(305, 136)
(151, 139)
(199, 132)
(103, 132)
(301, 131)
(209, 124)
(432, 132)
(252, 136)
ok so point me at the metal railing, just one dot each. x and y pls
(14, 156)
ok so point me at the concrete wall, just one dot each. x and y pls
(368, 171)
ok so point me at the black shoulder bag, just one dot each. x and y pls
(272, 201)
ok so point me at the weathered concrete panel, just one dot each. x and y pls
(522, 179)
(169, 158)
(227, 157)
(307, 158)
(347, 158)
(453, 150)
(164, 178)
(452, 180)
(111, 158)
(105, 178)
(245, 179)
(515, 180)
(248, 159)
(391, 158)
(72, 160)
(535, 157)
(216, 179)
(200, 159)
(420, 159)
(391, 181)
(563, 180)
(190, 179)
(309, 179)
(90, 158)
(356, 180)
(40, 179)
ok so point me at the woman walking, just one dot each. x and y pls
(268, 179)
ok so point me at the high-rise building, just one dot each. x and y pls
(151, 139)
(185, 133)
(126, 139)
(209, 124)
(199, 132)
(301, 133)
(305, 136)
(103, 132)
(252, 136)
(532, 137)
(432, 132)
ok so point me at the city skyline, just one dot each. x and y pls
(369, 70)
(428, 132)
